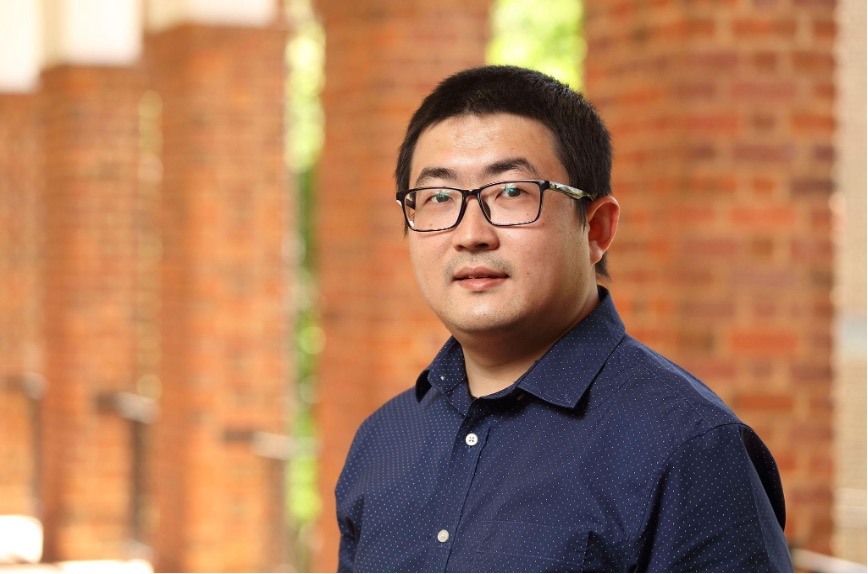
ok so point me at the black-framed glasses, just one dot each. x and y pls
(504, 203)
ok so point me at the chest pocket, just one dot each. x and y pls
(526, 547)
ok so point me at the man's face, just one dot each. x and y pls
(480, 279)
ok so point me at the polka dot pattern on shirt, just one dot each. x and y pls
(604, 456)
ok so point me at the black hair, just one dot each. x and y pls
(582, 140)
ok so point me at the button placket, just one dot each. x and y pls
(467, 449)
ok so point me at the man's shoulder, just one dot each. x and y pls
(401, 407)
(645, 408)
(660, 392)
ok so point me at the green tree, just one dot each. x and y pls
(544, 35)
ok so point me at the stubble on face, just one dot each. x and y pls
(539, 273)
(485, 312)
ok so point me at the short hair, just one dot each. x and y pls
(582, 141)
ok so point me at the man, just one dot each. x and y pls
(541, 437)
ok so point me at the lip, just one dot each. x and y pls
(479, 278)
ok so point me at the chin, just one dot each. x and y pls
(479, 325)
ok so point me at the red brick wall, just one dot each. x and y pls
(95, 181)
(88, 194)
(722, 119)
(382, 57)
(225, 320)
(19, 268)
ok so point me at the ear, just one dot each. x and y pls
(602, 217)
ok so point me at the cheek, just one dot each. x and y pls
(425, 265)
(560, 263)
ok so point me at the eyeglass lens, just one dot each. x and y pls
(505, 203)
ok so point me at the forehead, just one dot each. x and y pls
(470, 144)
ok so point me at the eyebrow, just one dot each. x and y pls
(492, 170)
(436, 173)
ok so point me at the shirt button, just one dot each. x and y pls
(443, 535)
(471, 439)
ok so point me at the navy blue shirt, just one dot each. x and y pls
(603, 456)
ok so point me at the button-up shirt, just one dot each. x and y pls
(603, 456)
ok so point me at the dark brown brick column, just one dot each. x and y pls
(382, 58)
(225, 311)
(88, 195)
(722, 119)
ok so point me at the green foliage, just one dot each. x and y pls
(544, 35)
(305, 57)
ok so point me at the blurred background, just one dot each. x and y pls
(205, 288)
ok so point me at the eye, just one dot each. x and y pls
(435, 197)
(440, 197)
(511, 191)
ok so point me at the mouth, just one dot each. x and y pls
(479, 278)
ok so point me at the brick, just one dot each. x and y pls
(721, 123)
(766, 60)
(818, 250)
(765, 90)
(822, 6)
(697, 340)
(706, 61)
(757, 28)
(813, 63)
(772, 217)
(803, 123)
(824, 91)
(763, 123)
(825, 30)
(695, 90)
(811, 187)
(765, 402)
(763, 278)
(764, 186)
(763, 341)
(762, 249)
(782, 153)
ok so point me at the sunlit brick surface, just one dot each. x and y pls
(225, 316)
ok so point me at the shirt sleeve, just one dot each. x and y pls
(347, 551)
(717, 506)
(349, 501)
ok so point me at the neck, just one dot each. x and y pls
(488, 374)
(495, 360)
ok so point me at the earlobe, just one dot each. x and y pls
(602, 217)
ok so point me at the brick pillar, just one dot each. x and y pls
(382, 58)
(225, 320)
(90, 174)
(722, 120)
(19, 267)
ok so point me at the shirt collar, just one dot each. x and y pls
(559, 377)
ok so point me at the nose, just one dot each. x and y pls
(474, 232)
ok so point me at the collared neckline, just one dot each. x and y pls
(583, 351)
